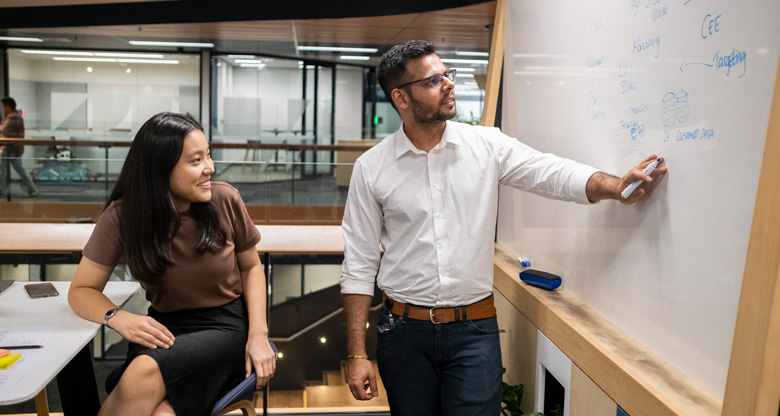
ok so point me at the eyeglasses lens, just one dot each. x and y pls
(436, 80)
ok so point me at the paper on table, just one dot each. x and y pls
(35, 335)
(21, 336)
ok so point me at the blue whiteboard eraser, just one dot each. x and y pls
(540, 279)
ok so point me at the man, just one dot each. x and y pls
(428, 194)
(13, 127)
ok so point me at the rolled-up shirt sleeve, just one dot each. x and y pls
(543, 174)
(362, 229)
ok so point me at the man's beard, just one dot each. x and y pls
(428, 114)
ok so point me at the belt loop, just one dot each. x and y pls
(465, 314)
(457, 314)
(406, 311)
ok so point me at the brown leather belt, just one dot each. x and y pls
(480, 310)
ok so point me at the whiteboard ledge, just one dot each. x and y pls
(636, 379)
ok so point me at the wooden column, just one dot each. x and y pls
(494, 66)
(753, 383)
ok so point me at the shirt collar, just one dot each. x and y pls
(404, 145)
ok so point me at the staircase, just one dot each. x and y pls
(331, 393)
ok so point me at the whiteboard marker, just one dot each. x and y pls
(633, 185)
(524, 262)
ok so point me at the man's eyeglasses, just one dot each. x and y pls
(435, 80)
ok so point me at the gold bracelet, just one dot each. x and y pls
(357, 357)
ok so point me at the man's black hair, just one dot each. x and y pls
(10, 102)
(391, 71)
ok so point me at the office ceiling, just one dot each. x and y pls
(465, 28)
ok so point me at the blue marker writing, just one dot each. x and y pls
(631, 187)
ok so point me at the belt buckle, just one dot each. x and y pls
(430, 313)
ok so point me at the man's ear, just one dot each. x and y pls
(400, 98)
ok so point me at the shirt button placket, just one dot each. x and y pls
(440, 233)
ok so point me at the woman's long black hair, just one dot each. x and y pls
(148, 216)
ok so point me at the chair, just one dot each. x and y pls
(233, 400)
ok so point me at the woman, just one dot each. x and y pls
(191, 245)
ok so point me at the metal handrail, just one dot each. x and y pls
(250, 144)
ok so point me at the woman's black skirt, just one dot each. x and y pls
(207, 357)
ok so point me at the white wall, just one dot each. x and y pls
(349, 103)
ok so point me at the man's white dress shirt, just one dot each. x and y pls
(435, 213)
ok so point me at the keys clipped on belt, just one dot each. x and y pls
(388, 326)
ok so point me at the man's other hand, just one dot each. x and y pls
(362, 379)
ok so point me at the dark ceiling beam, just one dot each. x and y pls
(204, 11)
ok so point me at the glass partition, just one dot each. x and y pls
(257, 100)
(99, 95)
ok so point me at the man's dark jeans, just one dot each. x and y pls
(451, 369)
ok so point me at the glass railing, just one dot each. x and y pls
(280, 183)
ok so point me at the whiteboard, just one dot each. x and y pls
(608, 84)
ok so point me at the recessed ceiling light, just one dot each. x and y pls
(18, 39)
(88, 53)
(354, 58)
(465, 69)
(336, 49)
(249, 61)
(465, 61)
(43, 52)
(470, 53)
(112, 60)
(149, 61)
(131, 55)
(79, 59)
(129, 70)
(182, 44)
(89, 69)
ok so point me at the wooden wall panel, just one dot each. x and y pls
(587, 399)
(518, 348)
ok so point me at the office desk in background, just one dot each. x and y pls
(24, 238)
(65, 352)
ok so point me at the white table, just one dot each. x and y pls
(69, 338)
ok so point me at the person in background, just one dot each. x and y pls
(428, 195)
(192, 245)
(13, 127)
